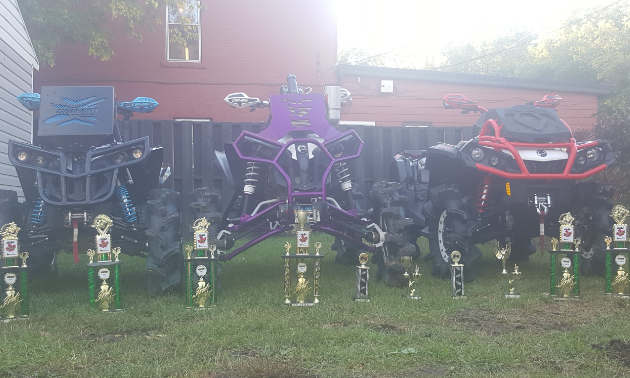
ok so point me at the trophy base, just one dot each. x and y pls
(412, 296)
(116, 311)
(303, 304)
(201, 308)
(459, 297)
(622, 296)
(360, 299)
(566, 298)
(21, 317)
(515, 295)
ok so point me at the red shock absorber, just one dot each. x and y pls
(482, 201)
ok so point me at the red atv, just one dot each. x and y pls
(511, 183)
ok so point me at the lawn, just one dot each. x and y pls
(250, 333)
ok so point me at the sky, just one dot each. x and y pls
(423, 28)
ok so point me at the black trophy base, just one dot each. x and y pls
(512, 296)
(459, 297)
(360, 299)
(201, 308)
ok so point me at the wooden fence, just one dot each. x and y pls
(189, 150)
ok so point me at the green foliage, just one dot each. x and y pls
(53, 22)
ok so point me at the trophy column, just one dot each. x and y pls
(14, 292)
(363, 278)
(457, 276)
(568, 286)
(106, 297)
(200, 262)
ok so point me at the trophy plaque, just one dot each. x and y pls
(413, 277)
(568, 245)
(106, 297)
(457, 276)
(200, 263)
(300, 293)
(513, 277)
(363, 278)
(619, 245)
(14, 292)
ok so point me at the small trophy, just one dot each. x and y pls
(108, 297)
(567, 244)
(457, 276)
(620, 284)
(503, 254)
(619, 242)
(200, 258)
(363, 278)
(14, 293)
(413, 277)
(300, 294)
(512, 278)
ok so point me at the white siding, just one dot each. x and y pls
(17, 60)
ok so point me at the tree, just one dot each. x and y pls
(53, 22)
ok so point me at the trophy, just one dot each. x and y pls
(299, 295)
(567, 244)
(14, 293)
(512, 278)
(457, 276)
(413, 278)
(108, 297)
(200, 258)
(363, 277)
(619, 242)
(503, 254)
(620, 284)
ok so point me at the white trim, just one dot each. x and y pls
(192, 119)
(357, 123)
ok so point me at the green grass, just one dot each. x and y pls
(250, 333)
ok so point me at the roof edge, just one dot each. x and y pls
(598, 88)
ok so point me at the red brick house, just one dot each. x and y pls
(244, 46)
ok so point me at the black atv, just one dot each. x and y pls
(79, 167)
(509, 184)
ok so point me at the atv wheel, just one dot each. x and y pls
(389, 213)
(207, 204)
(450, 229)
(164, 220)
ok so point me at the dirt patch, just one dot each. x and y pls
(544, 317)
(615, 349)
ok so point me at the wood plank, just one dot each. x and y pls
(359, 164)
(167, 143)
(186, 172)
(226, 190)
(207, 155)
(377, 155)
(146, 129)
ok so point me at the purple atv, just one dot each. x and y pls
(298, 162)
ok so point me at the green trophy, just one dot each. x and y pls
(108, 297)
(200, 258)
(620, 284)
(14, 293)
(568, 245)
(619, 241)
(300, 294)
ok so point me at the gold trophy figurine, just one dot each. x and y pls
(620, 284)
(554, 244)
(287, 246)
(415, 276)
(302, 287)
(503, 254)
(24, 256)
(91, 253)
(203, 289)
(116, 252)
(318, 246)
(189, 249)
(567, 283)
(12, 298)
(608, 240)
(106, 295)
(406, 263)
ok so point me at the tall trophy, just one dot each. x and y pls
(200, 263)
(620, 246)
(457, 276)
(503, 253)
(14, 293)
(567, 287)
(513, 277)
(363, 278)
(413, 277)
(302, 293)
(106, 297)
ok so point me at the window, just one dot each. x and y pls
(183, 31)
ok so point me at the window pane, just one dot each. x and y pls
(183, 42)
(185, 12)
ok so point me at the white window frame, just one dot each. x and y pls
(168, 24)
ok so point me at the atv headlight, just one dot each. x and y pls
(477, 154)
(493, 160)
(22, 156)
(580, 160)
(40, 160)
(118, 158)
(137, 153)
(593, 154)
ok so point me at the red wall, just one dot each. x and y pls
(247, 46)
(421, 101)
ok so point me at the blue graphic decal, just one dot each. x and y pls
(83, 112)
